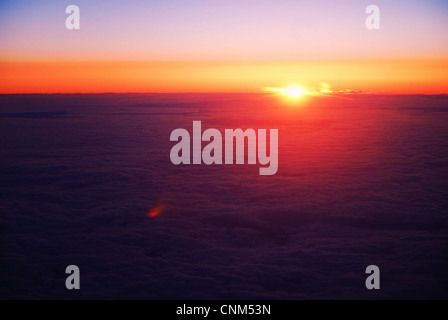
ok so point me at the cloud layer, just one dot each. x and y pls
(360, 182)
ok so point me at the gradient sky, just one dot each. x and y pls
(215, 45)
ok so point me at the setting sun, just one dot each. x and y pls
(293, 91)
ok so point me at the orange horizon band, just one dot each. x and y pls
(425, 76)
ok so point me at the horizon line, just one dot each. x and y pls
(355, 92)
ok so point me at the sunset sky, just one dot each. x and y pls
(223, 46)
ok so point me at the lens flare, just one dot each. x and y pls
(155, 212)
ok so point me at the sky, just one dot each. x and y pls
(237, 46)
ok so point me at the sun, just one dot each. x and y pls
(293, 91)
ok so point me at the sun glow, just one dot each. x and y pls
(293, 91)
